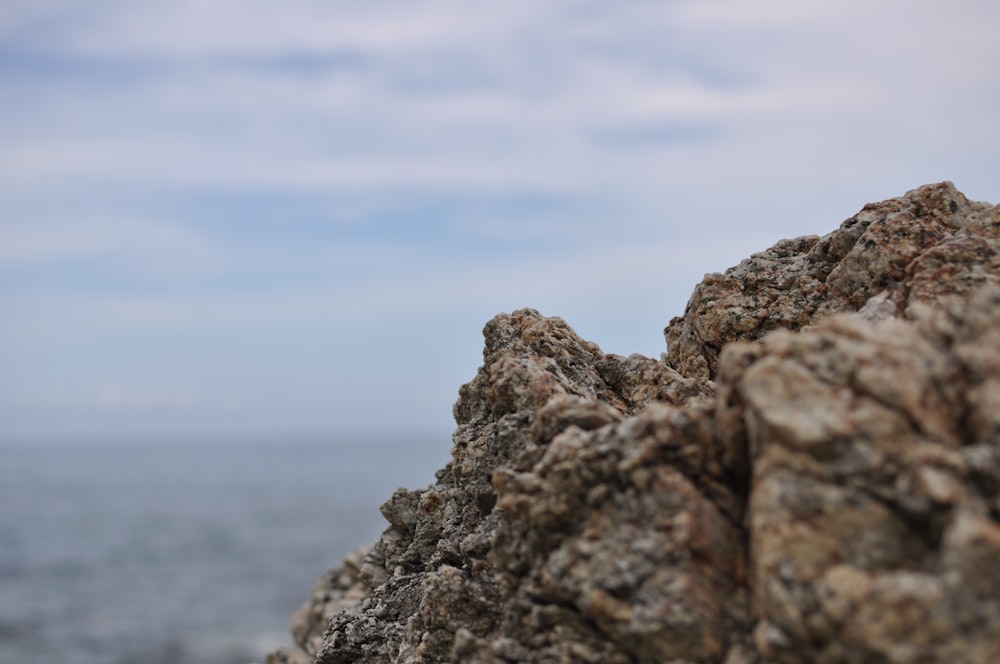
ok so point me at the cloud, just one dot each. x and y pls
(42, 240)
(117, 398)
(416, 287)
(508, 97)
(438, 98)
(638, 104)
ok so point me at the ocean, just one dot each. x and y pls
(182, 553)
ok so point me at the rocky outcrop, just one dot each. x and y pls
(810, 473)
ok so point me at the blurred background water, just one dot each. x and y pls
(182, 553)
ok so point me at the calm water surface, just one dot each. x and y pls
(181, 553)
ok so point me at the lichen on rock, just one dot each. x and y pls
(810, 473)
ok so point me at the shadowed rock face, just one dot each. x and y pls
(811, 474)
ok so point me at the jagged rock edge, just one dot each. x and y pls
(508, 447)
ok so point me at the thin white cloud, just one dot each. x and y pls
(122, 399)
(189, 28)
(46, 240)
(614, 276)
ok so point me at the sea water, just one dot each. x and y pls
(182, 553)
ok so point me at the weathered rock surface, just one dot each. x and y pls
(810, 474)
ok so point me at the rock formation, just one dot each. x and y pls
(811, 473)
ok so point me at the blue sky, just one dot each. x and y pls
(264, 219)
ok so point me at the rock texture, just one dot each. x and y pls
(811, 473)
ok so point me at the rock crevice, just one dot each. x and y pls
(810, 473)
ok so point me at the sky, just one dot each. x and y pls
(261, 219)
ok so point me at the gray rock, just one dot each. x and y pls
(931, 241)
(812, 473)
